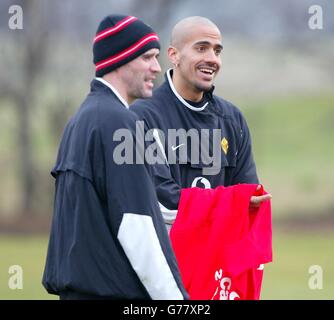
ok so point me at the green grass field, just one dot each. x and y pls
(293, 148)
(286, 278)
(28, 252)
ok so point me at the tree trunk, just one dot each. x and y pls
(34, 42)
(25, 153)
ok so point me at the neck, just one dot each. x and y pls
(191, 94)
(118, 84)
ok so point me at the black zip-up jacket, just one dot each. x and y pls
(167, 111)
(107, 236)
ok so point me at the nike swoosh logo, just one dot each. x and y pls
(180, 145)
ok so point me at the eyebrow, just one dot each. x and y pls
(207, 43)
(151, 54)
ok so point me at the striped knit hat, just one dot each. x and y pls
(120, 39)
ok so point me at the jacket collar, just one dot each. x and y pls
(116, 93)
(209, 94)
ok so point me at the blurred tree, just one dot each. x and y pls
(31, 45)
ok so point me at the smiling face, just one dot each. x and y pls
(196, 55)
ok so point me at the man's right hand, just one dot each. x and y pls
(256, 201)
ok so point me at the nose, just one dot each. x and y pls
(213, 58)
(155, 66)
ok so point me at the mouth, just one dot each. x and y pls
(150, 83)
(208, 72)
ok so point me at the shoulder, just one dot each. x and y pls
(112, 111)
(159, 98)
(153, 105)
(143, 106)
(105, 113)
(228, 108)
(230, 111)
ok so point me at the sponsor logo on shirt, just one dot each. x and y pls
(224, 287)
(204, 181)
(176, 147)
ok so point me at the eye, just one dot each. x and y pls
(201, 48)
(146, 57)
(218, 51)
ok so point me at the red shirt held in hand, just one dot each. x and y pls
(219, 244)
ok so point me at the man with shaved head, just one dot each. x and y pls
(193, 75)
(185, 104)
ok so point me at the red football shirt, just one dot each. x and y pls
(219, 244)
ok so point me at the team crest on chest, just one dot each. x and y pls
(224, 145)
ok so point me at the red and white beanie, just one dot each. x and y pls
(120, 39)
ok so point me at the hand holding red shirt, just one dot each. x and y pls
(221, 243)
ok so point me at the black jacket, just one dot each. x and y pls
(107, 237)
(166, 111)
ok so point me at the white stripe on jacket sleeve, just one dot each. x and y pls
(141, 245)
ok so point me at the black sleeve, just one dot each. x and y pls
(245, 171)
(167, 189)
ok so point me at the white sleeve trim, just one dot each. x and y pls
(169, 216)
(141, 245)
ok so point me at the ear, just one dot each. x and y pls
(173, 55)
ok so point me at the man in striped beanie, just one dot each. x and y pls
(108, 239)
(119, 41)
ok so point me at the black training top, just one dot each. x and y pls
(107, 236)
(186, 156)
